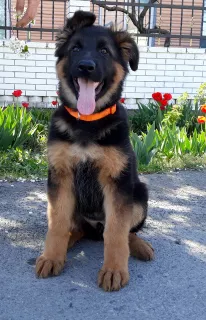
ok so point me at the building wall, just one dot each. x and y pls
(175, 16)
(173, 70)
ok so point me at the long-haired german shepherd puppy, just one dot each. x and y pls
(93, 187)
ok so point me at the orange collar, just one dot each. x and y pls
(92, 117)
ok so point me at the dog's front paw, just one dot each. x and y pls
(112, 280)
(48, 267)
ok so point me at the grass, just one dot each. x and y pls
(28, 158)
(20, 163)
(185, 162)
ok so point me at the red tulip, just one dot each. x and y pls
(122, 100)
(17, 93)
(25, 104)
(157, 96)
(163, 103)
(167, 96)
(54, 103)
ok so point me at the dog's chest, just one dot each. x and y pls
(81, 154)
(91, 167)
(88, 192)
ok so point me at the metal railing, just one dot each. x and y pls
(153, 22)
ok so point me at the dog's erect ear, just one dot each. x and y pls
(128, 48)
(79, 20)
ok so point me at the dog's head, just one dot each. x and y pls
(92, 63)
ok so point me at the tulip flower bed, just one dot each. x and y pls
(164, 135)
(168, 136)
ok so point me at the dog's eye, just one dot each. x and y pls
(76, 49)
(104, 51)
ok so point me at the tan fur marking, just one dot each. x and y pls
(66, 90)
(60, 68)
(60, 223)
(60, 212)
(137, 215)
(117, 78)
(92, 152)
(139, 248)
(114, 273)
(58, 157)
(68, 94)
(63, 156)
(75, 236)
(113, 162)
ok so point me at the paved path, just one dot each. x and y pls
(171, 287)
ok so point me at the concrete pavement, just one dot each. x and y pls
(172, 287)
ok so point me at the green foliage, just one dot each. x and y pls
(201, 94)
(172, 116)
(15, 127)
(146, 114)
(20, 127)
(167, 143)
(144, 145)
(174, 141)
(23, 136)
(15, 163)
(189, 113)
(41, 116)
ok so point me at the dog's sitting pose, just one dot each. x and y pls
(93, 187)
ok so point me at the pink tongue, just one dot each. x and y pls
(86, 101)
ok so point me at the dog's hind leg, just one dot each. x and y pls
(139, 248)
(75, 236)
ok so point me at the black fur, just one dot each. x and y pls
(111, 131)
(89, 197)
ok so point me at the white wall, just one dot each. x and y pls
(173, 70)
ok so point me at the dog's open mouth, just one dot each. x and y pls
(87, 90)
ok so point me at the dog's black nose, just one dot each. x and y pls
(86, 65)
